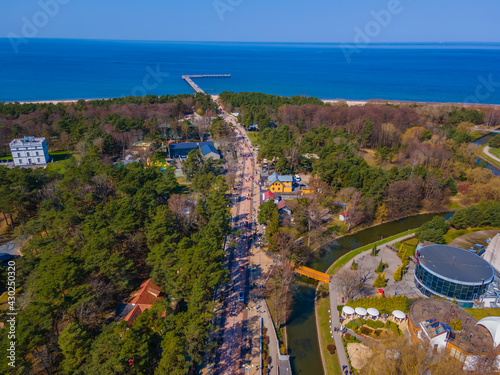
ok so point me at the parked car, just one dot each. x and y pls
(297, 177)
(241, 296)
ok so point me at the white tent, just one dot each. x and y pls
(348, 310)
(360, 311)
(373, 312)
(398, 314)
(492, 324)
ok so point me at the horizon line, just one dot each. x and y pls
(260, 42)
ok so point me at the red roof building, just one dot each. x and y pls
(143, 299)
(268, 195)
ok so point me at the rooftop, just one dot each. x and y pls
(472, 339)
(183, 146)
(455, 263)
(207, 147)
(26, 141)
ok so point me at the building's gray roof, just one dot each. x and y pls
(26, 141)
(455, 263)
(183, 146)
(281, 178)
(207, 147)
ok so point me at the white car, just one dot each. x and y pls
(297, 177)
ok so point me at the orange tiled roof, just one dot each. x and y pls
(147, 294)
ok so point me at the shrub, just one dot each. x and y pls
(282, 349)
(267, 361)
(347, 336)
(456, 325)
(381, 267)
(331, 348)
(375, 324)
(398, 275)
(380, 281)
(374, 251)
(354, 265)
(265, 340)
(382, 304)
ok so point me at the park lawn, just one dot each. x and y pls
(60, 155)
(409, 246)
(455, 233)
(7, 157)
(483, 313)
(253, 136)
(488, 159)
(331, 361)
(495, 151)
(339, 263)
(59, 166)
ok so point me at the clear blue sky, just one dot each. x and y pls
(256, 20)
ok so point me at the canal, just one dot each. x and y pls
(481, 142)
(302, 333)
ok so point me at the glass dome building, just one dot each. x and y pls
(451, 272)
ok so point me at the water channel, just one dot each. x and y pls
(481, 142)
(302, 333)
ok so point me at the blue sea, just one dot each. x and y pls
(56, 69)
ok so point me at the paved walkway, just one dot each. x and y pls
(337, 336)
(487, 152)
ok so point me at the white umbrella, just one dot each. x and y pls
(348, 310)
(373, 312)
(360, 311)
(399, 314)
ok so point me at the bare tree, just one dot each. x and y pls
(351, 283)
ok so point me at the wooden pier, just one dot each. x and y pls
(195, 87)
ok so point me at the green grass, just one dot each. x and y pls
(488, 159)
(483, 313)
(60, 155)
(453, 205)
(454, 233)
(339, 263)
(8, 157)
(59, 166)
(331, 361)
(495, 151)
(253, 136)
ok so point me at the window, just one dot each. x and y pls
(28, 153)
(29, 161)
(18, 154)
(38, 159)
(37, 154)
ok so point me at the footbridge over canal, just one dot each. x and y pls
(313, 274)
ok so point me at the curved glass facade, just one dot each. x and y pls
(429, 283)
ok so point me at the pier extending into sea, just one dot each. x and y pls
(195, 87)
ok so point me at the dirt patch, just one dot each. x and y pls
(359, 354)
(470, 239)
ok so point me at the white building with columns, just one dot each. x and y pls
(29, 151)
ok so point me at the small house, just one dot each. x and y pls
(344, 216)
(281, 184)
(181, 150)
(209, 151)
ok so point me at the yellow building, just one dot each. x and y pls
(279, 184)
